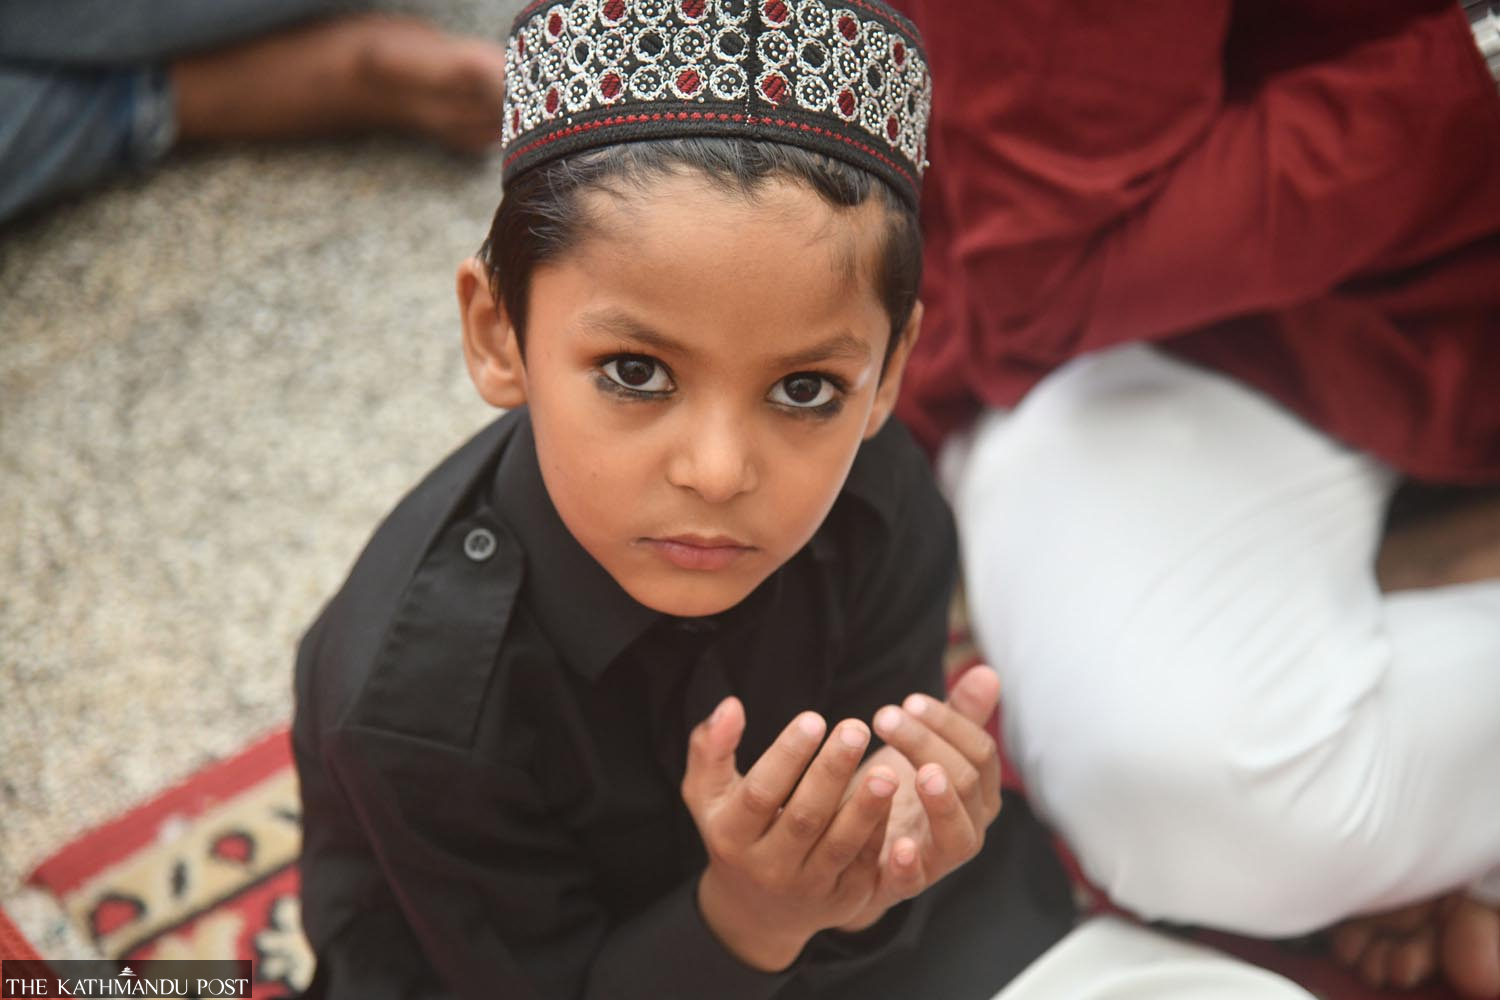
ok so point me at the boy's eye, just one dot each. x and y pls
(803, 390)
(637, 373)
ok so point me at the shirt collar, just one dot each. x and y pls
(561, 577)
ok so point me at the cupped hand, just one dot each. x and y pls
(949, 773)
(790, 853)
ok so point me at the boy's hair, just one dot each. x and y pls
(541, 215)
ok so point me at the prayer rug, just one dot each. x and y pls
(208, 870)
(14, 947)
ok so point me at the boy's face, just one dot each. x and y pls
(700, 371)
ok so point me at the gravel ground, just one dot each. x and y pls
(213, 383)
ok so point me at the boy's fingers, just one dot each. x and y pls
(869, 855)
(955, 838)
(710, 764)
(763, 790)
(975, 694)
(972, 742)
(806, 815)
(978, 787)
(903, 876)
(856, 832)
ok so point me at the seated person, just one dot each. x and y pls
(94, 87)
(1210, 284)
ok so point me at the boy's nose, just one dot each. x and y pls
(715, 460)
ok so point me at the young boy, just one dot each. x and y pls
(590, 716)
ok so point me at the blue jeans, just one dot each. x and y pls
(84, 88)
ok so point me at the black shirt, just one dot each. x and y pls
(491, 734)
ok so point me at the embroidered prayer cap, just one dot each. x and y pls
(843, 77)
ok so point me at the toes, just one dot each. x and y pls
(1397, 948)
(1374, 965)
(1350, 941)
(1413, 960)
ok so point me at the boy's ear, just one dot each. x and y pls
(491, 347)
(890, 384)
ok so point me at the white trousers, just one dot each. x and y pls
(1206, 691)
(1106, 958)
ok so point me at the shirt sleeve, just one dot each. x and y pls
(1136, 171)
(471, 890)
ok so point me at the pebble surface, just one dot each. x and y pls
(214, 382)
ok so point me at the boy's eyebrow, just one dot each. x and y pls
(615, 323)
(839, 347)
(842, 346)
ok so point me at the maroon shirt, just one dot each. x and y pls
(1303, 195)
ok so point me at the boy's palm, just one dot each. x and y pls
(789, 853)
(929, 833)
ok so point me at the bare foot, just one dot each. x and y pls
(361, 72)
(1396, 949)
(450, 88)
(1455, 936)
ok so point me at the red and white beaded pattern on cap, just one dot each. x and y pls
(851, 63)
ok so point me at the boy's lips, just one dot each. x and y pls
(699, 552)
